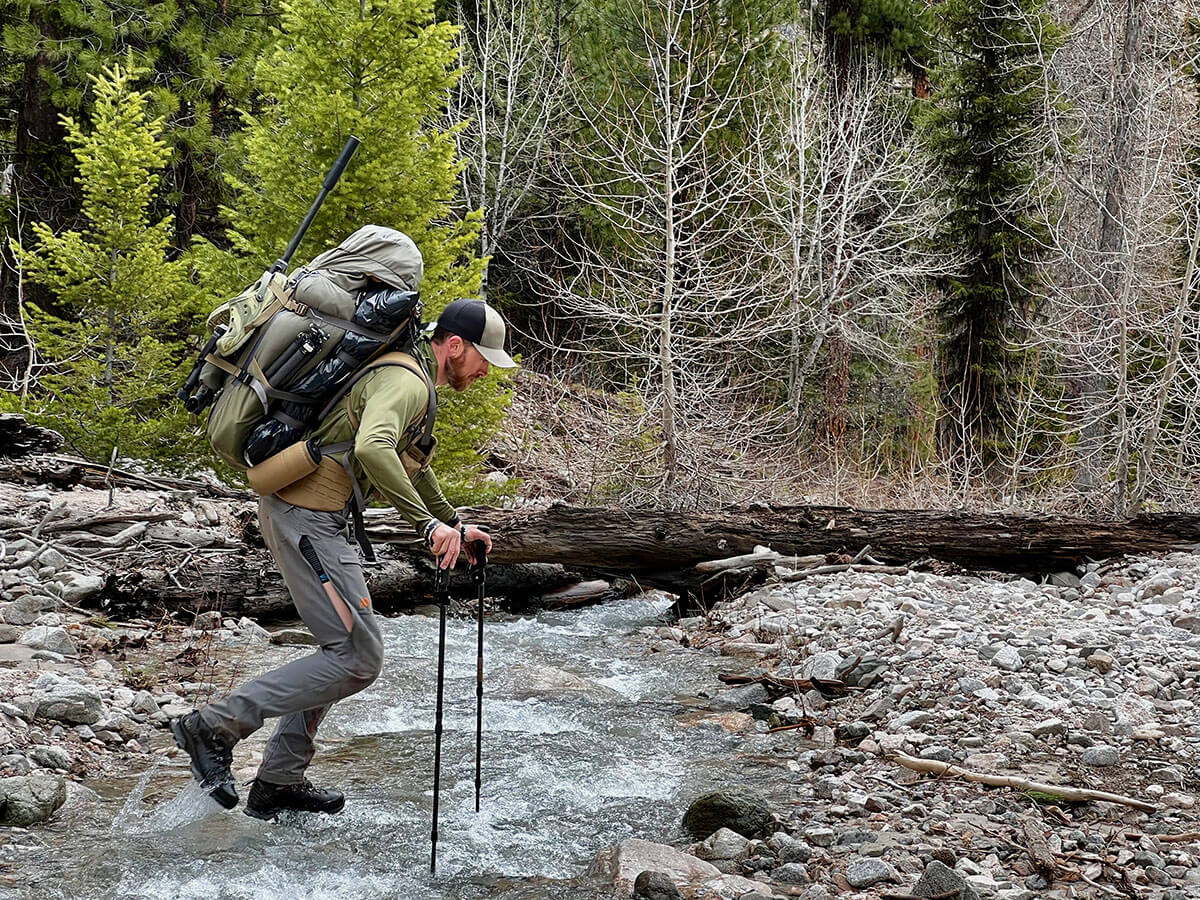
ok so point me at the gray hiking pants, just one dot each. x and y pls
(301, 692)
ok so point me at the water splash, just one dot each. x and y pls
(190, 805)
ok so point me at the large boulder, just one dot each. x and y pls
(30, 799)
(741, 811)
(65, 701)
(77, 588)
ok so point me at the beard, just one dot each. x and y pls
(456, 374)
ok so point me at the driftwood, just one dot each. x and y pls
(19, 438)
(170, 540)
(1064, 792)
(643, 542)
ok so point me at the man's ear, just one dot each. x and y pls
(455, 344)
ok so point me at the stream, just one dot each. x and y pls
(585, 745)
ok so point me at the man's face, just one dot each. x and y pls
(464, 365)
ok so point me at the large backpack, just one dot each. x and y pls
(283, 332)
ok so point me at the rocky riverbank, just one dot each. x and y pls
(1089, 681)
(85, 698)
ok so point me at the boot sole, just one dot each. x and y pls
(223, 793)
(271, 815)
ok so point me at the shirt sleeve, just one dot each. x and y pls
(389, 400)
(435, 501)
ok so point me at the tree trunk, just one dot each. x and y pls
(644, 542)
(1113, 245)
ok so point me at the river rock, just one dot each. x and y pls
(741, 811)
(1008, 659)
(938, 879)
(724, 843)
(65, 701)
(654, 886)
(1101, 756)
(48, 637)
(22, 611)
(30, 799)
(294, 637)
(866, 870)
(8, 634)
(51, 757)
(210, 620)
(77, 588)
(740, 698)
(623, 863)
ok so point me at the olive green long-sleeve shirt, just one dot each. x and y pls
(385, 402)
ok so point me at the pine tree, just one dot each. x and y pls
(202, 54)
(381, 70)
(114, 355)
(989, 129)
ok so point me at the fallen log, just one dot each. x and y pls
(246, 582)
(19, 438)
(649, 543)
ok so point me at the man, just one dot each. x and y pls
(323, 573)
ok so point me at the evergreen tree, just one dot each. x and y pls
(202, 55)
(114, 355)
(989, 129)
(381, 70)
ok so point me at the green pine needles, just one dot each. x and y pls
(109, 351)
(989, 129)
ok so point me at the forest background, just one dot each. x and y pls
(882, 252)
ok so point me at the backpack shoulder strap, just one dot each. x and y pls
(404, 361)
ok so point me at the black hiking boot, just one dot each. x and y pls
(211, 757)
(266, 800)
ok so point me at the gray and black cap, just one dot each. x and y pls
(475, 321)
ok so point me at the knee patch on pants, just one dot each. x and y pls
(366, 660)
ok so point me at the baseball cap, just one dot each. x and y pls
(475, 321)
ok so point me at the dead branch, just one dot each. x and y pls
(1066, 792)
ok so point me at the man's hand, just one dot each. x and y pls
(446, 544)
(475, 533)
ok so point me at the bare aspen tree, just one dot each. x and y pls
(1124, 295)
(855, 262)
(509, 102)
(666, 297)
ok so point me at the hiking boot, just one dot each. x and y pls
(267, 800)
(211, 757)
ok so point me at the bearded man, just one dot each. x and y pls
(384, 417)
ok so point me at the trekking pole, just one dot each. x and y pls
(441, 596)
(479, 576)
(331, 179)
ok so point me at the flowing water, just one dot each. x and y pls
(585, 744)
